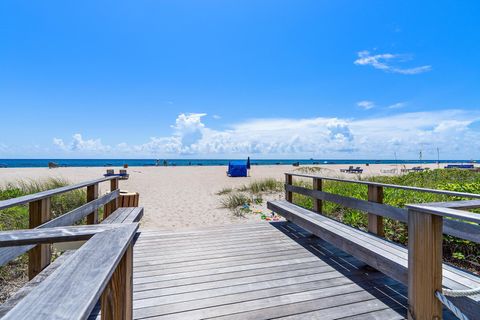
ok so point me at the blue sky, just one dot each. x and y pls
(270, 79)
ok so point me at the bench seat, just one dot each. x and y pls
(383, 255)
(121, 215)
(125, 215)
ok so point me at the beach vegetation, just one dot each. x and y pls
(310, 169)
(14, 274)
(224, 191)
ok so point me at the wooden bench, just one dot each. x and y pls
(390, 258)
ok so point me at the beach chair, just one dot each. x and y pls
(347, 170)
(357, 170)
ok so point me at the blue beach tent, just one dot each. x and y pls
(237, 168)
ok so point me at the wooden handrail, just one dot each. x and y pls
(100, 269)
(52, 235)
(393, 186)
(39, 256)
(454, 226)
(49, 193)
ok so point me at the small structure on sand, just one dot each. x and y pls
(237, 168)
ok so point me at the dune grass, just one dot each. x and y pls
(14, 274)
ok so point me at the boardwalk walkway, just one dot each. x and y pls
(256, 271)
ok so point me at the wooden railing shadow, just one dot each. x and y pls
(385, 289)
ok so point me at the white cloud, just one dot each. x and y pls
(318, 137)
(397, 105)
(365, 104)
(216, 117)
(384, 62)
(78, 144)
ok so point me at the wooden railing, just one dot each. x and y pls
(426, 222)
(100, 270)
(377, 210)
(39, 256)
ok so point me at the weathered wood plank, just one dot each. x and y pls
(47, 194)
(375, 222)
(393, 186)
(383, 210)
(92, 194)
(51, 235)
(447, 212)
(83, 277)
(29, 286)
(81, 212)
(317, 204)
(39, 256)
(368, 248)
(116, 299)
(424, 265)
(288, 181)
(9, 253)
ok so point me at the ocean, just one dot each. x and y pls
(43, 163)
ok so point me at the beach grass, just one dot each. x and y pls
(14, 274)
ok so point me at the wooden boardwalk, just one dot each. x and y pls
(256, 271)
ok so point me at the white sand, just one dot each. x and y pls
(182, 197)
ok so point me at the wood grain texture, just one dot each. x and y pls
(393, 186)
(309, 279)
(116, 299)
(382, 255)
(92, 194)
(424, 265)
(112, 205)
(9, 253)
(39, 256)
(375, 222)
(82, 278)
(317, 203)
(367, 206)
(288, 182)
(48, 193)
(51, 235)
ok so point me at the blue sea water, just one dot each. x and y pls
(42, 163)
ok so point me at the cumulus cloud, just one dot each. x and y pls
(365, 104)
(386, 61)
(78, 144)
(319, 137)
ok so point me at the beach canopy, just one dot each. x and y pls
(237, 168)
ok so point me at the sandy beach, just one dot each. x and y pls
(184, 197)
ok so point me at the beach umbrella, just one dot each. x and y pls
(248, 163)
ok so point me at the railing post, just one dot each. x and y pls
(317, 203)
(112, 205)
(40, 256)
(288, 182)
(117, 298)
(92, 194)
(375, 223)
(424, 265)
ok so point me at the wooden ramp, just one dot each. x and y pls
(256, 271)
